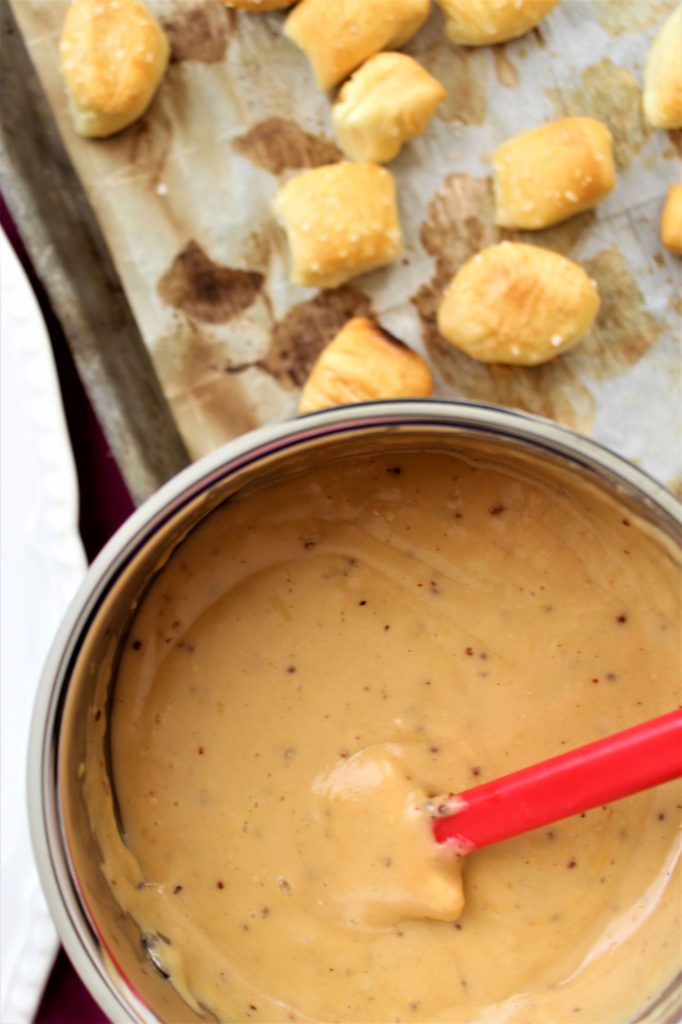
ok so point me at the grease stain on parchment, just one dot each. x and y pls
(619, 17)
(203, 387)
(675, 136)
(300, 336)
(625, 330)
(505, 70)
(141, 150)
(562, 238)
(459, 224)
(261, 248)
(612, 95)
(215, 414)
(536, 33)
(206, 290)
(199, 31)
(277, 144)
(464, 74)
(552, 390)
(189, 359)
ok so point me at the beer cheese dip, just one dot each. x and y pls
(324, 654)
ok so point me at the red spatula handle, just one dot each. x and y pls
(598, 773)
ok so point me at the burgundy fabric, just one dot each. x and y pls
(66, 1000)
(104, 505)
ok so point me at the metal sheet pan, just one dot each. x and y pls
(184, 197)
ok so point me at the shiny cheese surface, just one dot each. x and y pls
(329, 651)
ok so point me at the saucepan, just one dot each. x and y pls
(114, 960)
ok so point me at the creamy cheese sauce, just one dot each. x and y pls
(326, 653)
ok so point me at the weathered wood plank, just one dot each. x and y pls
(66, 246)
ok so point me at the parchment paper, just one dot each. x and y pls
(184, 200)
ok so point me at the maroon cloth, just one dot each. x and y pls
(104, 505)
(65, 999)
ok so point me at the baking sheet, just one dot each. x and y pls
(184, 200)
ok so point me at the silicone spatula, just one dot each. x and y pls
(578, 780)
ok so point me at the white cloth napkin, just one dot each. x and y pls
(41, 565)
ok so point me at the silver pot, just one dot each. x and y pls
(104, 944)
